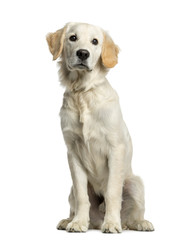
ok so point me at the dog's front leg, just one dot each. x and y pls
(113, 194)
(80, 221)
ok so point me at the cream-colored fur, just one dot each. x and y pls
(105, 193)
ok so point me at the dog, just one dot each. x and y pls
(105, 194)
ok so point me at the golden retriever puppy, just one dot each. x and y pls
(105, 193)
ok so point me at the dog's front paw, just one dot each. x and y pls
(111, 227)
(77, 226)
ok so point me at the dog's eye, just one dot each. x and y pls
(95, 41)
(73, 38)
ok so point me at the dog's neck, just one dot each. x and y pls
(81, 80)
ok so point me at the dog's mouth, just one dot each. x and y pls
(80, 66)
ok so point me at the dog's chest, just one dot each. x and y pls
(84, 133)
(79, 116)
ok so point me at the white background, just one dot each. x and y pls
(34, 175)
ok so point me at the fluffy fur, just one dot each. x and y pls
(105, 192)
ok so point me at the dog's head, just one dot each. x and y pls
(82, 46)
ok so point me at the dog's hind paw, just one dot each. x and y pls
(141, 226)
(63, 224)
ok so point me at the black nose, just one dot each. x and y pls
(83, 54)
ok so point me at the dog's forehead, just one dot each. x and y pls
(83, 29)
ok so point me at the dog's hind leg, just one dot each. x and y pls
(133, 207)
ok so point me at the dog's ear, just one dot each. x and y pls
(55, 42)
(110, 52)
